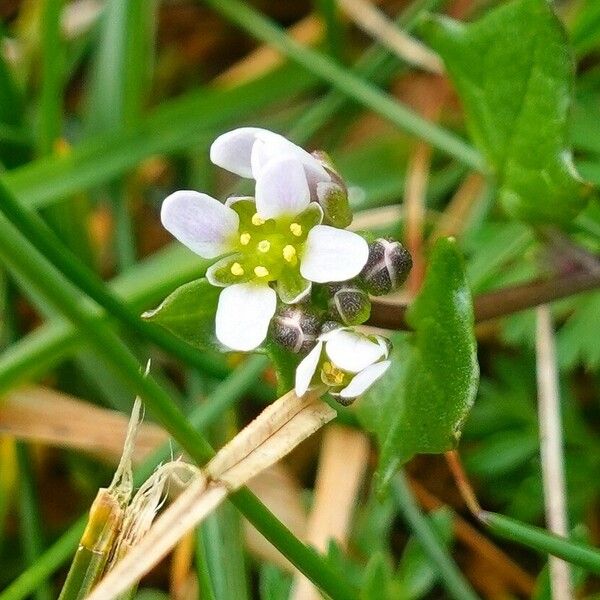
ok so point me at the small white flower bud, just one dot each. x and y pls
(387, 267)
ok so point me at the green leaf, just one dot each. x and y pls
(421, 405)
(189, 313)
(285, 364)
(377, 578)
(513, 70)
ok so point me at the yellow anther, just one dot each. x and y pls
(264, 246)
(327, 368)
(261, 271)
(296, 229)
(289, 253)
(256, 220)
(237, 269)
(245, 239)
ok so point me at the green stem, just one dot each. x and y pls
(451, 577)
(29, 264)
(31, 529)
(347, 82)
(543, 541)
(205, 584)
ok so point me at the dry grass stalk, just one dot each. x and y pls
(38, 414)
(375, 23)
(342, 466)
(279, 429)
(308, 31)
(455, 217)
(551, 448)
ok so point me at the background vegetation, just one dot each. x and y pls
(106, 107)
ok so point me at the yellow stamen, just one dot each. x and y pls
(264, 246)
(296, 229)
(261, 271)
(237, 269)
(256, 220)
(327, 368)
(289, 253)
(245, 239)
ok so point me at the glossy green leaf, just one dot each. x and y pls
(189, 313)
(421, 405)
(513, 70)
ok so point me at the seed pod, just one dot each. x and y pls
(296, 328)
(350, 304)
(387, 267)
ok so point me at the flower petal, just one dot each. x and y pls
(282, 189)
(306, 369)
(333, 254)
(200, 222)
(232, 150)
(365, 379)
(351, 351)
(243, 315)
(270, 145)
(291, 286)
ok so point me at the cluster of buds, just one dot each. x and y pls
(286, 262)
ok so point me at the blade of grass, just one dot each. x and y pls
(543, 541)
(30, 528)
(191, 120)
(221, 537)
(347, 82)
(205, 585)
(450, 576)
(121, 76)
(21, 257)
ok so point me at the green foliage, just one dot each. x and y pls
(421, 405)
(189, 313)
(513, 69)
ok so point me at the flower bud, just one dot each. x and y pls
(296, 329)
(349, 304)
(387, 267)
(333, 195)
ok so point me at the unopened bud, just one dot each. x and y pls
(387, 267)
(350, 304)
(333, 195)
(296, 329)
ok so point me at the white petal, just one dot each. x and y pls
(306, 369)
(271, 145)
(333, 254)
(351, 351)
(200, 222)
(233, 150)
(243, 315)
(282, 189)
(365, 379)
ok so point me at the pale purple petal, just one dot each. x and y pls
(351, 351)
(243, 315)
(282, 189)
(232, 150)
(306, 370)
(333, 254)
(365, 379)
(200, 222)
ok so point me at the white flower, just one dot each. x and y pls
(248, 150)
(346, 361)
(277, 240)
